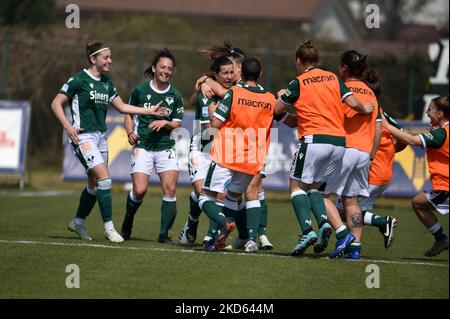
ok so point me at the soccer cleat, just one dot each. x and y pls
(437, 248)
(264, 243)
(342, 245)
(354, 254)
(113, 236)
(323, 238)
(208, 244)
(164, 239)
(127, 225)
(182, 237)
(388, 231)
(239, 243)
(188, 234)
(226, 227)
(304, 242)
(80, 230)
(251, 246)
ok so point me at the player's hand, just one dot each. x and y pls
(384, 122)
(281, 92)
(73, 132)
(207, 91)
(369, 107)
(157, 110)
(157, 125)
(133, 138)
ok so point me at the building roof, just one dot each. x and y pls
(301, 10)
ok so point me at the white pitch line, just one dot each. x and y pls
(30, 242)
(37, 194)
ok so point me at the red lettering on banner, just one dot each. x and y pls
(4, 141)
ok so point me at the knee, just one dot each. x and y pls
(139, 191)
(170, 190)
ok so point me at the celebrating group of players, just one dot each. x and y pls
(346, 147)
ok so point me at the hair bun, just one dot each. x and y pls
(308, 44)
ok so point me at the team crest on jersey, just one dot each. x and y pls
(91, 85)
(106, 86)
(169, 100)
(149, 97)
(205, 100)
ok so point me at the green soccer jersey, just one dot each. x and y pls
(434, 139)
(145, 95)
(201, 138)
(89, 98)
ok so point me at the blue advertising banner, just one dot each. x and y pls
(410, 168)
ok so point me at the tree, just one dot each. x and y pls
(27, 12)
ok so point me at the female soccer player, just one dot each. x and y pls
(89, 93)
(363, 134)
(425, 204)
(317, 97)
(154, 149)
(199, 158)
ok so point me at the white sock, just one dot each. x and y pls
(108, 226)
(79, 221)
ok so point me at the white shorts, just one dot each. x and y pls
(354, 177)
(439, 200)
(316, 162)
(198, 165)
(92, 149)
(220, 179)
(365, 203)
(148, 162)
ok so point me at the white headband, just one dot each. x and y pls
(98, 51)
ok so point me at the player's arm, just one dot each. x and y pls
(128, 123)
(349, 99)
(376, 139)
(354, 103)
(219, 112)
(378, 132)
(287, 119)
(175, 119)
(217, 88)
(57, 107)
(193, 99)
(124, 108)
(402, 135)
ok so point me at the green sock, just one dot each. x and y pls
(132, 206)
(302, 208)
(439, 235)
(194, 210)
(263, 218)
(241, 223)
(318, 206)
(230, 213)
(213, 227)
(370, 218)
(168, 214)
(253, 214)
(87, 202)
(104, 198)
(341, 232)
(213, 211)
